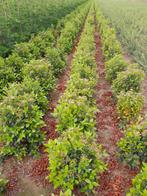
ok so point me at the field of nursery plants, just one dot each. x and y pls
(73, 100)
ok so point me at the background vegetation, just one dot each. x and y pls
(21, 18)
(130, 20)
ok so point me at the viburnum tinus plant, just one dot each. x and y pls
(75, 161)
(139, 183)
(20, 123)
(128, 80)
(40, 70)
(114, 66)
(129, 106)
(132, 147)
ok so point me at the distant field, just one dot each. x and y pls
(20, 18)
(130, 20)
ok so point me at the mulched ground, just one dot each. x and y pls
(117, 179)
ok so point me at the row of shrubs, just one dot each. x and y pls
(126, 82)
(75, 158)
(51, 44)
(23, 105)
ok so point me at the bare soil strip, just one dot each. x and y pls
(28, 177)
(117, 179)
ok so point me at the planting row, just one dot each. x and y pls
(126, 83)
(75, 158)
(23, 105)
(52, 45)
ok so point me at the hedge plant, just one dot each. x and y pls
(75, 161)
(6, 76)
(56, 59)
(129, 106)
(128, 80)
(114, 66)
(75, 113)
(3, 184)
(132, 147)
(16, 62)
(139, 183)
(20, 123)
(40, 70)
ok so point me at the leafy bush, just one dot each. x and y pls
(70, 30)
(128, 80)
(129, 106)
(6, 76)
(43, 40)
(16, 62)
(78, 86)
(40, 70)
(75, 113)
(114, 66)
(20, 123)
(132, 147)
(75, 160)
(3, 184)
(30, 86)
(84, 71)
(27, 51)
(56, 60)
(139, 183)
(111, 46)
(87, 59)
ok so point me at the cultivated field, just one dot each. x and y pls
(72, 112)
(130, 20)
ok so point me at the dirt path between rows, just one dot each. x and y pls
(117, 179)
(28, 177)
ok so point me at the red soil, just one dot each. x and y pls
(117, 179)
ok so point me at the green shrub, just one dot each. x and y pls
(128, 80)
(40, 70)
(87, 59)
(3, 184)
(16, 62)
(111, 46)
(27, 51)
(75, 113)
(6, 76)
(84, 71)
(30, 86)
(114, 66)
(139, 183)
(129, 106)
(132, 147)
(70, 30)
(20, 123)
(56, 60)
(78, 86)
(74, 161)
(67, 37)
(43, 40)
